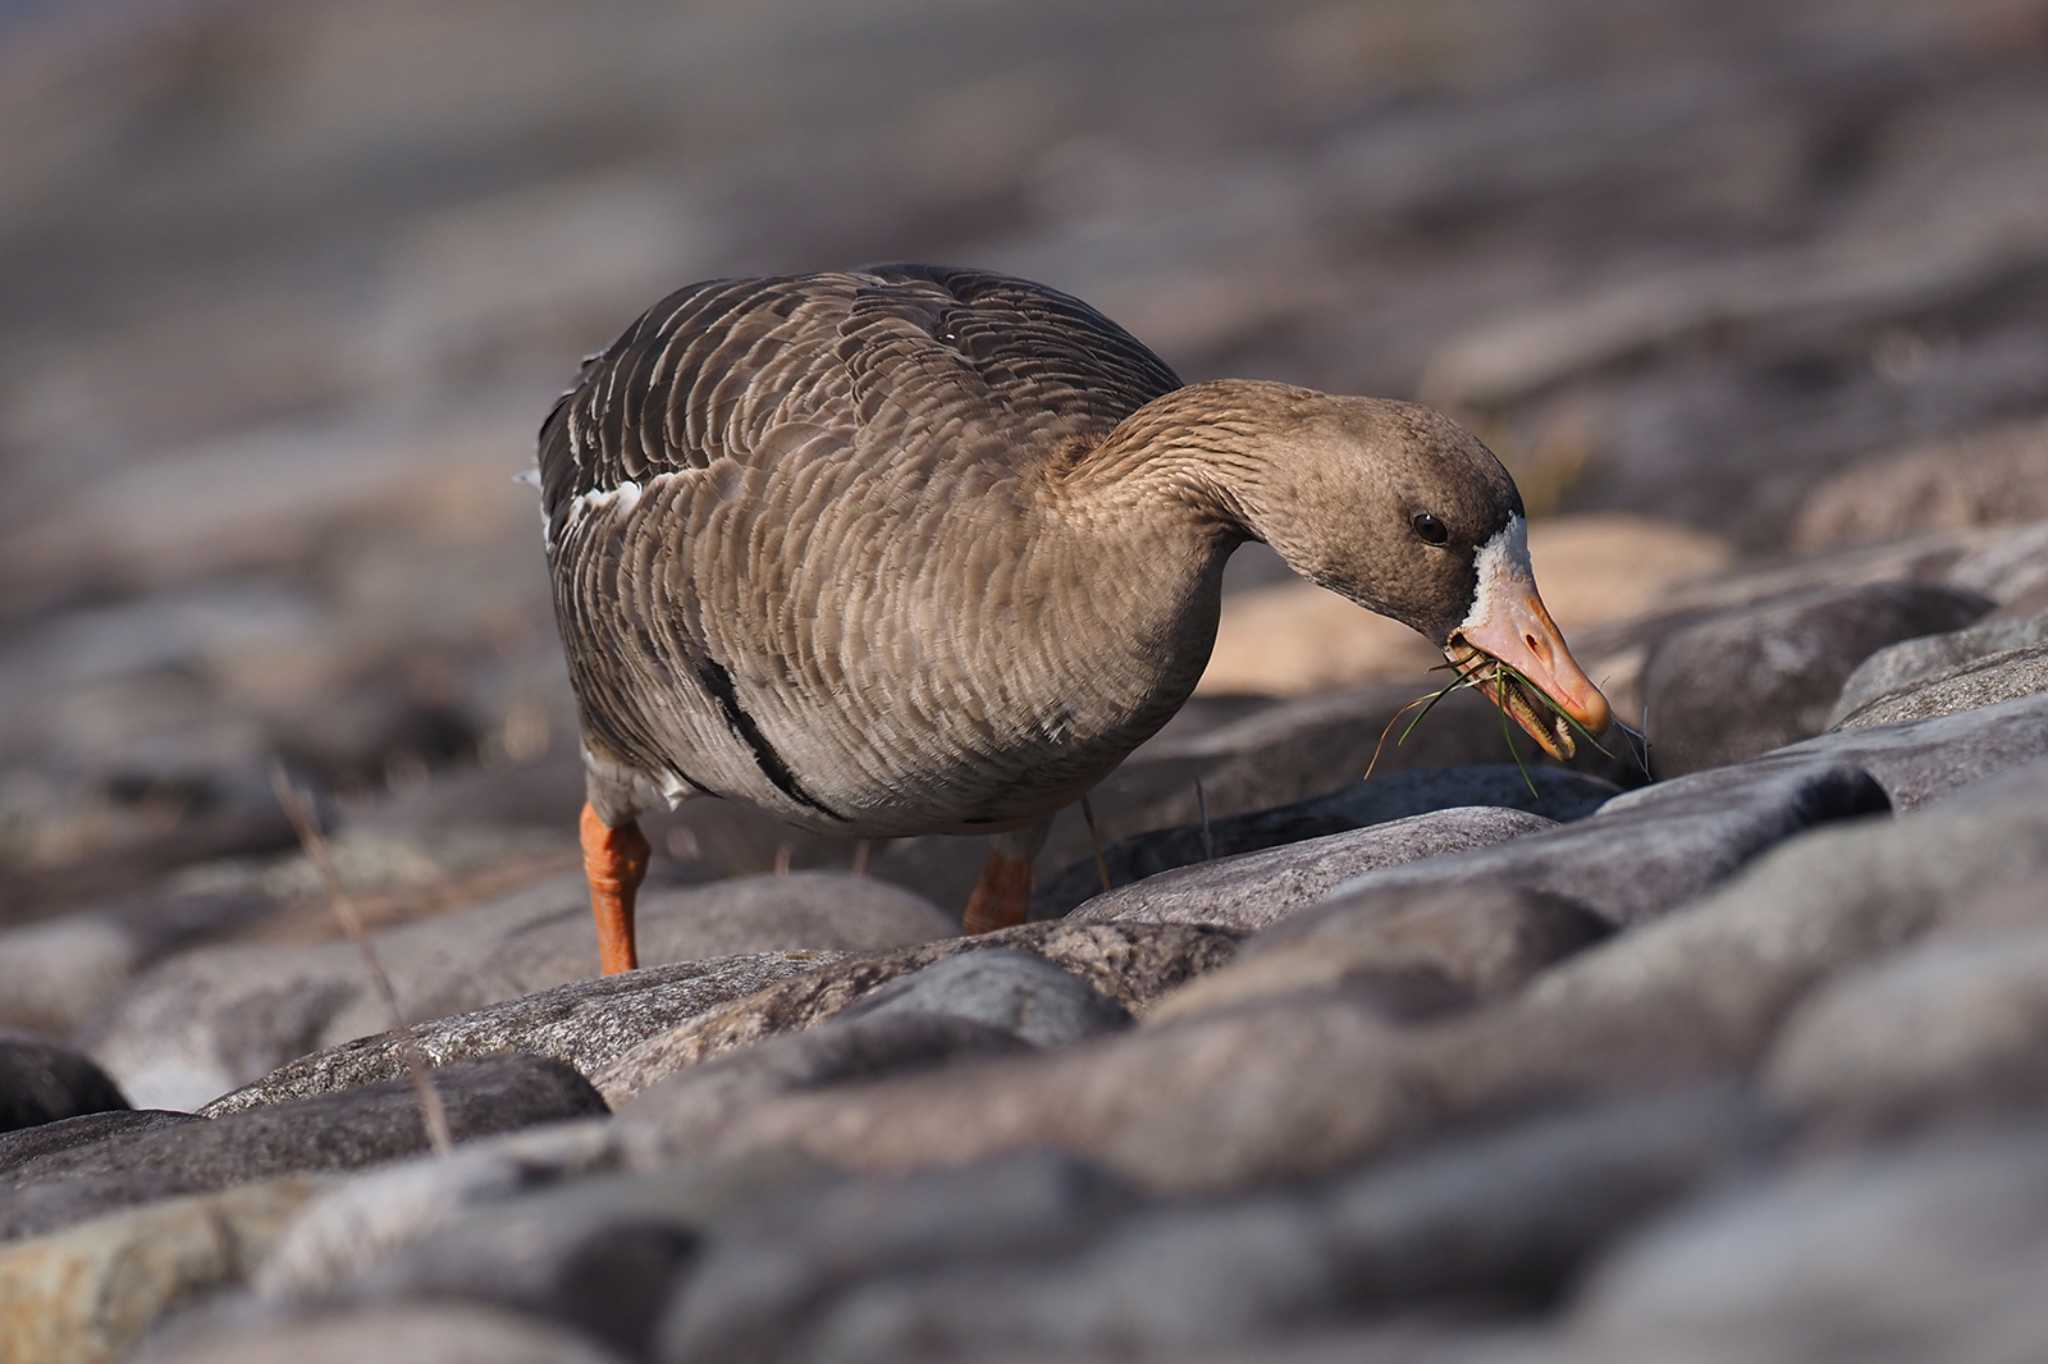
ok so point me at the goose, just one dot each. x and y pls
(914, 549)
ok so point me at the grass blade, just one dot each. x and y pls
(1500, 685)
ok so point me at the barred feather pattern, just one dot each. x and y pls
(815, 545)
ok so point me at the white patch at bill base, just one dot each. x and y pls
(1504, 572)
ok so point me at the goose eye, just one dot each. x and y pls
(1429, 528)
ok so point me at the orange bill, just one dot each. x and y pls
(1509, 624)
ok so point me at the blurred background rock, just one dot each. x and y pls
(285, 289)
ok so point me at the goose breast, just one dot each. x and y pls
(805, 553)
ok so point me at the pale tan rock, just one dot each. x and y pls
(1996, 476)
(1294, 637)
(87, 1293)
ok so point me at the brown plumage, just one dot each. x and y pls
(910, 550)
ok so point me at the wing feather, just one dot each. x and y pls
(875, 363)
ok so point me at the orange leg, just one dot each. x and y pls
(614, 860)
(1002, 897)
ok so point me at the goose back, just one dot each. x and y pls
(801, 553)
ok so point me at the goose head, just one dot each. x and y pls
(1398, 508)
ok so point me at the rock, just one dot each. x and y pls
(1914, 662)
(1740, 684)
(692, 1107)
(1930, 557)
(2011, 568)
(1024, 995)
(118, 826)
(1649, 851)
(1509, 1218)
(30, 1144)
(219, 1017)
(587, 1025)
(1272, 755)
(42, 1082)
(1979, 478)
(1985, 682)
(418, 1333)
(1922, 760)
(1911, 1255)
(765, 1274)
(1704, 991)
(1206, 1104)
(1253, 890)
(87, 1294)
(1563, 795)
(1304, 748)
(1294, 637)
(1950, 1027)
(56, 974)
(1418, 955)
(1131, 964)
(599, 1254)
(332, 1132)
(1515, 1213)
(1224, 1099)
(363, 1218)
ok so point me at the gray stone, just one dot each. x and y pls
(599, 1253)
(1417, 955)
(569, 1175)
(692, 1107)
(1908, 664)
(1560, 794)
(1253, 890)
(1705, 990)
(20, 1149)
(1924, 759)
(1740, 684)
(587, 1025)
(1272, 755)
(1205, 1104)
(1977, 478)
(1951, 1027)
(42, 1082)
(1130, 964)
(1649, 851)
(124, 822)
(1517, 1210)
(417, 1333)
(1219, 1100)
(767, 1273)
(57, 974)
(1018, 992)
(1509, 1218)
(367, 1216)
(332, 1132)
(218, 1017)
(2009, 567)
(1907, 1256)
(1982, 682)
(87, 1294)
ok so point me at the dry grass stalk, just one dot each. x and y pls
(1095, 838)
(299, 811)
